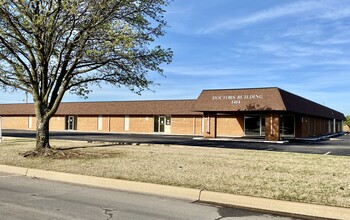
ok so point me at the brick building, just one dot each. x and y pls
(269, 113)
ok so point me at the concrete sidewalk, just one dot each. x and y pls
(311, 211)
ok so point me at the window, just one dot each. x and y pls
(254, 125)
(168, 120)
(287, 125)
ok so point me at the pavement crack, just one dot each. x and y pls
(109, 213)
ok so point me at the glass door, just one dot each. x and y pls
(161, 123)
(70, 123)
(254, 125)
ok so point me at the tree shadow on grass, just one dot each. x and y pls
(86, 147)
(76, 152)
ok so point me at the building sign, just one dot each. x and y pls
(236, 99)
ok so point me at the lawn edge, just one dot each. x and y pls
(312, 211)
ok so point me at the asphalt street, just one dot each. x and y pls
(334, 146)
(31, 198)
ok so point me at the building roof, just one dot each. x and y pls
(164, 107)
(17, 109)
(221, 101)
(295, 103)
(260, 99)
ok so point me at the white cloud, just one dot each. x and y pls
(304, 10)
(305, 31)
(338, 11)
(180, 10)
(199, 71)
(265, 15)
(278, 50)
(294, 50)
(339, 36)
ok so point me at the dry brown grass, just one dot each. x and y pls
(286, 176)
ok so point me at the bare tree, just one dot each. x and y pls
(49, 47)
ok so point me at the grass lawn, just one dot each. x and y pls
(297, 177)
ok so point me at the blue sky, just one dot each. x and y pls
(300, 46)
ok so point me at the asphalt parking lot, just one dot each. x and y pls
(334, 146)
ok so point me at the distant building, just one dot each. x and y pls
(270, 113)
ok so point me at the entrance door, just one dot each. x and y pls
(70, 123)
(161, 123)
(254, 125)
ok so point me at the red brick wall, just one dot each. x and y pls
(140, 124)
(230, 125)
(87, 123)
(185, 125)
(116, 123)
(17, 122)
(57, 123)
(272, 127)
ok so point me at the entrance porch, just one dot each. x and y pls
(272, 126)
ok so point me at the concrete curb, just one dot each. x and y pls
(275, 206)
(138, 187)
(240, 140)
(14, 170)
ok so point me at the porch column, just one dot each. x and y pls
(272, 129)
(209, 125)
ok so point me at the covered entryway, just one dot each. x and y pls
(267, 113)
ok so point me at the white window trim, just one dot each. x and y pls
(126, 123)
(30, 121)
(99, 123)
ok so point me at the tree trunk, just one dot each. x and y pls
(42, 135)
